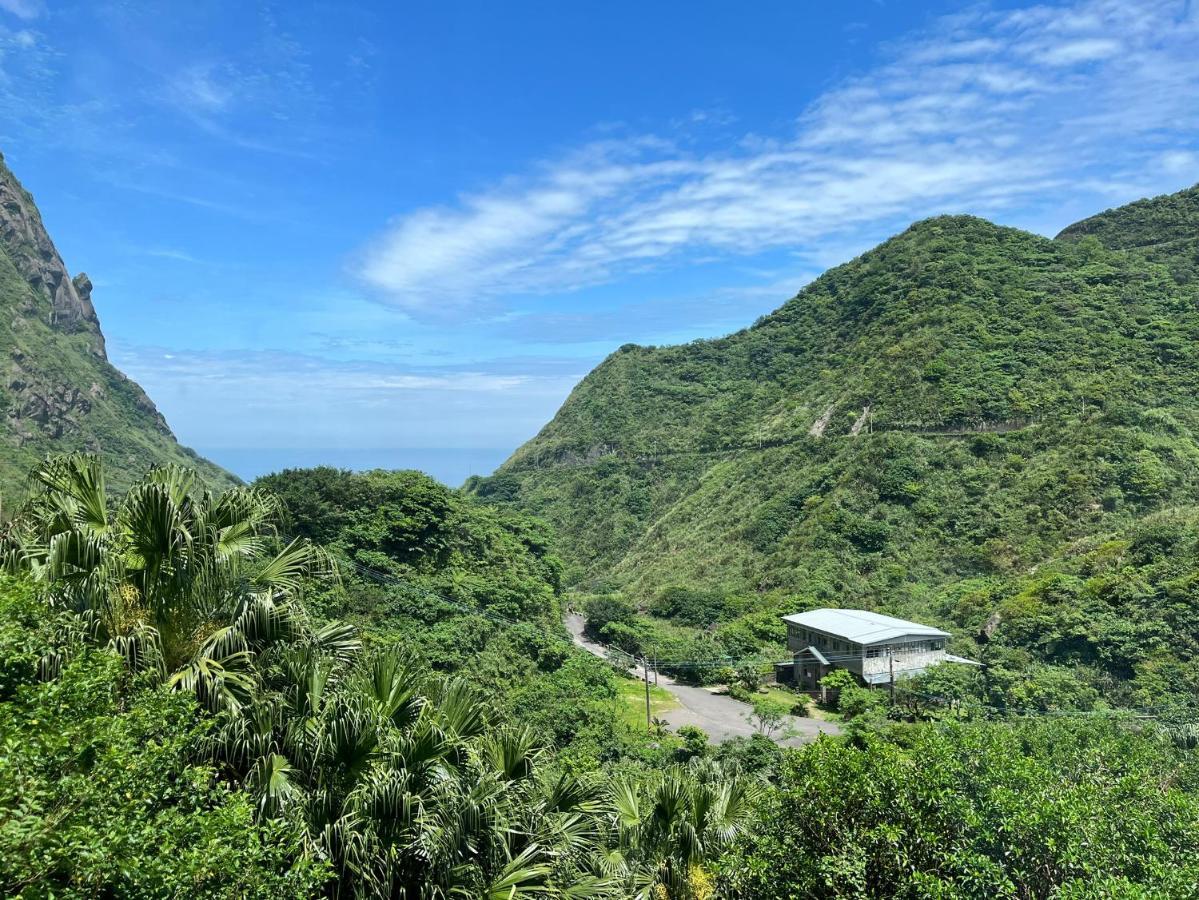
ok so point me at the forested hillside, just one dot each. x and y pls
(1162, 229)
(415, 555)
(969, 424)
(60, 393)
(180, 716)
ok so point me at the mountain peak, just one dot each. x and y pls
(60, 392)
(68, 303)
(958, 345)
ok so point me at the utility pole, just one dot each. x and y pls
(645, 672)
(891, 660)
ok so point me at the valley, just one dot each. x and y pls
(370, 684)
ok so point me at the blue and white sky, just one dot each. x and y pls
(397, 234)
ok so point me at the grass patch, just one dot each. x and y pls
(787, 698)
(631, 699)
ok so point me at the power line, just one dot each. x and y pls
(1154, 712)
(1005, 426)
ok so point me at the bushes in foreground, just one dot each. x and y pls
(1043, 809)
(100, 794)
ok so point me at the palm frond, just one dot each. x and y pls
(141, 649)
(78, 479)
(177, 481)
(526, 875)
(272, 785)
(457, 707)
(510, 754)
(287, 570)
(391, 681)
(337, 639)
(219, 684)
(350, 737)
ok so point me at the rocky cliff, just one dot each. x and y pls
(59, 391)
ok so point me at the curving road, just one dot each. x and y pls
(719, 715)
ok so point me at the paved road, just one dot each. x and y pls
(719, 715)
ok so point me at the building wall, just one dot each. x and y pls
(843, 654)
(906, 662)
(911, 655)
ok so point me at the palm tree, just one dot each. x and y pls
(403, 782)
(402, 779)
(664, 829)
(177, 580)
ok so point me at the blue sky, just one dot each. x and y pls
(398, 233)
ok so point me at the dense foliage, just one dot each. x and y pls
(101, 789)
(1031, 419)
(187, 586)
(446, 577)
(1044, 809)
(382, 777)
(1162, 229)
(392, 529)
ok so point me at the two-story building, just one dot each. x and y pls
(876, 648)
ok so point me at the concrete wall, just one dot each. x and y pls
(906, 662)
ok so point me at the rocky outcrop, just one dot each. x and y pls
(69, 306)
(58, 391)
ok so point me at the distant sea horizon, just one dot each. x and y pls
(449, 465)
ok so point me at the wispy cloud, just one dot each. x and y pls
(287, 399)
(22, 9)
(985, 110)
(198, 88)
(247, 103)
(168, 253)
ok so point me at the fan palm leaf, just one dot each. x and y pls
(287, 570)
(74, 486)
(510, 754)
(272, 786)
(391, 682)
(219, 684)
(525, 875)
(338, 640)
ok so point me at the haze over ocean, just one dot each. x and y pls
(449, 465)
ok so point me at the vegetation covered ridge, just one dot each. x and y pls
(60, 392)
(182, 714)
(1024, 542)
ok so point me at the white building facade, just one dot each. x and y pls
(875, 648)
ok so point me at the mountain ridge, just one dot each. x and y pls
(954, 322)
(60, 391)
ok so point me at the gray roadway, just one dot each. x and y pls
(719, 715)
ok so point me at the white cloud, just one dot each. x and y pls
(984, 111)
(1180, 162)
(197, 88)
(274, 399)
(22, 9)
(1086, 50)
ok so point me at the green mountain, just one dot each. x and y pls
(1163, 229)
(60, 392)
(928, 429)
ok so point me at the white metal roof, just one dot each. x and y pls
(860, 626)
